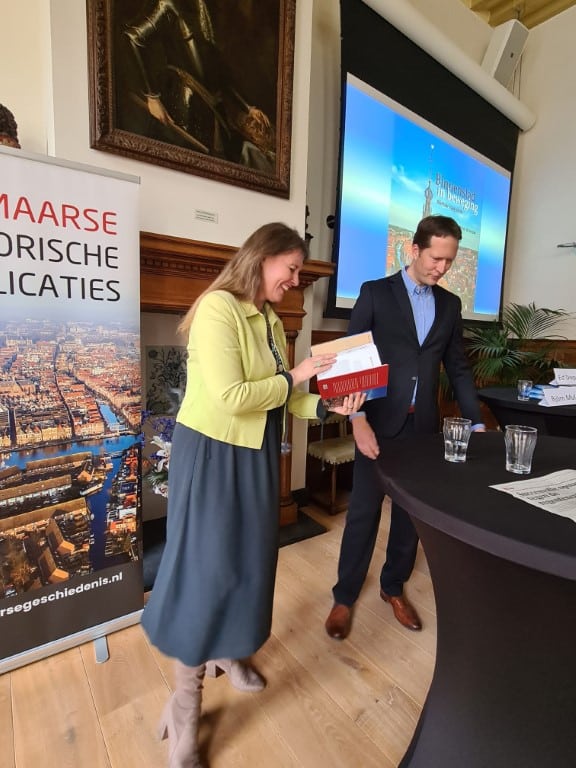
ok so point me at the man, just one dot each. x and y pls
(416, 325)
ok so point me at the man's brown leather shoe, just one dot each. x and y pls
(405, 612)
(339, 621)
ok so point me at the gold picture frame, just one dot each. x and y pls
(199, 86)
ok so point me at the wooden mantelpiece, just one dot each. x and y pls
(173, 273)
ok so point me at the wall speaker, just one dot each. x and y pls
(504, 50)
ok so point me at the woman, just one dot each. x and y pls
(211, 605)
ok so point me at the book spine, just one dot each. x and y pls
(354, 383)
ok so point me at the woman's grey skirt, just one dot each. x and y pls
(213, 594)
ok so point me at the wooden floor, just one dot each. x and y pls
(350, 704)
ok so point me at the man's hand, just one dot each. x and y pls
(365, 438)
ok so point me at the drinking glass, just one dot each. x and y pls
(456, 435)
(524, 387)
(520, 443)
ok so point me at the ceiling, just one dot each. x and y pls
(529, 12)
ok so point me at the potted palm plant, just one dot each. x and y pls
(523, 346)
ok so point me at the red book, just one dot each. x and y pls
(356, 381)
(358, 368)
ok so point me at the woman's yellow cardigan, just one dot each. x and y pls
(231, 375)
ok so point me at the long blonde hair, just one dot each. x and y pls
(243, 274)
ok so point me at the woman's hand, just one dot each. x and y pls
(350, 404)
(311, 366)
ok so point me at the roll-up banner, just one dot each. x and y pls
(70, 405)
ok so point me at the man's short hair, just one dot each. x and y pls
(435, 226)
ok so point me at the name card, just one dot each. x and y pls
(558, 396)
(564, 377)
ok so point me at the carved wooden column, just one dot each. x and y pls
(173, 273)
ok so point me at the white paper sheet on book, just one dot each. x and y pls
(555, 492)
(361, 358)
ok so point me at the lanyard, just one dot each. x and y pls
(272, 344)
(286, 446)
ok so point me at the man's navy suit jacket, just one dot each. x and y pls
(384, 308)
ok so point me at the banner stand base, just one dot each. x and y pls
(101, 650)
(97, 633)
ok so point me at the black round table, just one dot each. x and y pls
(503, 693)
(507, 409)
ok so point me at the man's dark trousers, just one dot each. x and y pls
(361, 531)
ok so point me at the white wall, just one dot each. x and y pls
(544, 195)
(24, 70)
